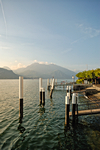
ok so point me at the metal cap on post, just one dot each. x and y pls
(74, 98)
(66, 100)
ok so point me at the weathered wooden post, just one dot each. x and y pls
(20, 97)
(40, 91)
(67, 89)
(48, 84)
(68, 94)
(67, 105)
(52, 87)
(40, 96)
(73, 108)
(43, 96)
(40, 83)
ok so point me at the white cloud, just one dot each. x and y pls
(15, 61)
(35, 61)
(19, 65)
(89, 31)
(41, 62)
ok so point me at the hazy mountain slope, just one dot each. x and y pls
(59, 74)
(5, 67)
(37, 70)
(7, 74)
(30, 74)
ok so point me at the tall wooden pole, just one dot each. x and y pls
(73, 107)
(67, 105)
(20, 97)
(43, 96)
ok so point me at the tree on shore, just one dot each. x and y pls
(90, 75)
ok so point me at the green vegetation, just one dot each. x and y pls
(90, 75)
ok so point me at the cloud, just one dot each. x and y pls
(68, 50)
(46, 63)
(41, 62)
(35, 61)
(88, 31)
(91, 32)
(19, 65)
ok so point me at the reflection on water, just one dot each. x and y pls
(43, 127)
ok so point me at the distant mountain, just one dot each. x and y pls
(7, 74)
(37, 70)
(5, 67)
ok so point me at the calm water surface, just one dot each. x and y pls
(43, 128)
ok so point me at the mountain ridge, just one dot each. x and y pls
(37, 70)
(7, 74)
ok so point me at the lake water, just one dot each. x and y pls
(43, 128)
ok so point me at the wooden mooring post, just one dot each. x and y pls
(52, 88)
(43, 96)
(40, 96)
(20, 97)
(73, 108)
(67, 107)
(68, 94)
(67, 89)
(40, 91)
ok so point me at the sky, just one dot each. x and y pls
(62, 32)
